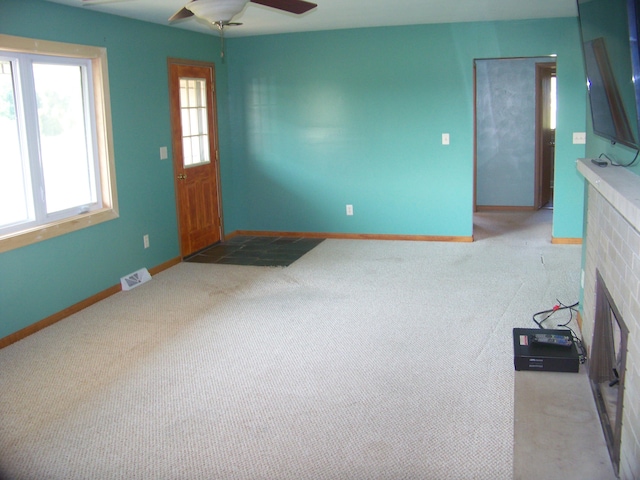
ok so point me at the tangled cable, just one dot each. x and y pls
(558, 308)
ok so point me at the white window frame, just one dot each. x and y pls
(103, 147)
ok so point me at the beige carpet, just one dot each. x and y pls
(362, 360)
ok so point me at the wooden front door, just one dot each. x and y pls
(195, 154)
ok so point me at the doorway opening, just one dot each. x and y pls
(514, 134)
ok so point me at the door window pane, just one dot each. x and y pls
(194, 115)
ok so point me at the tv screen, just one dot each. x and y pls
(609, 40)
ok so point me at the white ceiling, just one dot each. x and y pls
(337, 14)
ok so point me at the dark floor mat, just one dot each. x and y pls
(258, 251)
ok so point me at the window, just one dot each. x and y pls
(554, 102)
(56, 156)
(195, 132)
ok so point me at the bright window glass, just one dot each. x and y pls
(15, 193)
(195, 128)
(66, 145)
(554, 104)
(49, 161)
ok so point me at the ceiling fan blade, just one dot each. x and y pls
(88, 3)
(292, 6)
(184, 12)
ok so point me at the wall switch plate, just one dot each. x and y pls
(164, 154)
(445, 139)
(145, 240)
(579, 138)
(349, 210)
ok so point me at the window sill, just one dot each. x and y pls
(55, 229)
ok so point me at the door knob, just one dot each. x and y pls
(182, 176)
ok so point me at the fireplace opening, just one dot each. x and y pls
(607, 367)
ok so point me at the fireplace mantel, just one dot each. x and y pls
(618, 186)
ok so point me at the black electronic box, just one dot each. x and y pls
(545, 350)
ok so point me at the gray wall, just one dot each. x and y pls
(505, 115)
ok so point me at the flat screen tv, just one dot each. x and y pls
(609, 30)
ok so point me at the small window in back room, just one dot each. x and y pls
(554, 103)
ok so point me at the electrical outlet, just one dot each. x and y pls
(145, 240)
(349, 210)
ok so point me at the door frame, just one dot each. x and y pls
(216, 151)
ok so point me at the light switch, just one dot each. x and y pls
(163, 153)
(445, 139)
(579, 138)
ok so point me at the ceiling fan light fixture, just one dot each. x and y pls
(216, 11)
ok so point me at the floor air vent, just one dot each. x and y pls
(134, 279)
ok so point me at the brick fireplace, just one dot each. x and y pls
(612, 252)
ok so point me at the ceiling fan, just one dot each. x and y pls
(220, 12)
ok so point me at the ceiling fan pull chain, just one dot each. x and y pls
(221, 28)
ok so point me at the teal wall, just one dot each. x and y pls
(307, 123)
(331, 118)
(41, 279)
